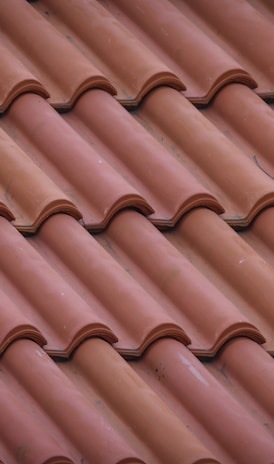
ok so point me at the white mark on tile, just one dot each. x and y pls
(193, 370)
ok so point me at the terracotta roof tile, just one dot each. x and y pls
(166, 29)
(260, 235)
(89, 155)
(28, 195)
(220, 165)
(61, 69)
(40, 300)
(247, 121)
(160, 277)
(210, 318)
(223, 402)
(234, 267)
(132, 314)
(70, 402)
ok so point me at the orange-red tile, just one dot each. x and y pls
(182, 45)
(217, 163)
(51, 65)
(197, 303)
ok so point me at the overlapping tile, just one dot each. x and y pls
(221, 166)
(234, 267)
(46, 57)
(54, 292)
(247, 121)
(45, 419)
(132, 314)
(197, 303)
(81, 153)
(67, 68)
(227, 402)
(132, 68)
(38, 303)
(71, 402)
(259, 235)
(145, 292)
(182, 45)
(28, 196)
(243, 30)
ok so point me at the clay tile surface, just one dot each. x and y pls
(242, 30)
(129, 65)
(27, 194)
(209, 319)
(175, 39)
(134, 316)
(217, 163)
(81, 153)
(247, 121)
(38, 303)
(136, 232)
(68, 403)
(51, 65)
(226, 405)
(260, 235)
(233, 266)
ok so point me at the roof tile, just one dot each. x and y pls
(42, 299)
(161, 278)
(247, 121)
(175, 39)
(217, 163)
(241, 30)
(60, 69)
(28, 195)
(210, 318)
(71, 402)
(81, 153)
(234, 267)
(213, 398)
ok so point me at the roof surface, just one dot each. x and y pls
(136, 232)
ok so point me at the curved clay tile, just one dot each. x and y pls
(88, 270)
(77, 167)
(218, 414)
(18, 428)
(247, 121)
(93, 368)
(5, 212)
(13, 323)
(25, 190)
(247, 371)
(259, 235)
(168, 187)
(231, 265)
(48, 55)
(189, 298)
(55, 422)
(241, 31)
(131, 67)
(100, 172)
(40, 296)
(203, 66)
(217, 163)
(15, 79)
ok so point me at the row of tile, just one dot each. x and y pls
(62, 163)
(165, 407)
(53, 284)
(129, 48)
